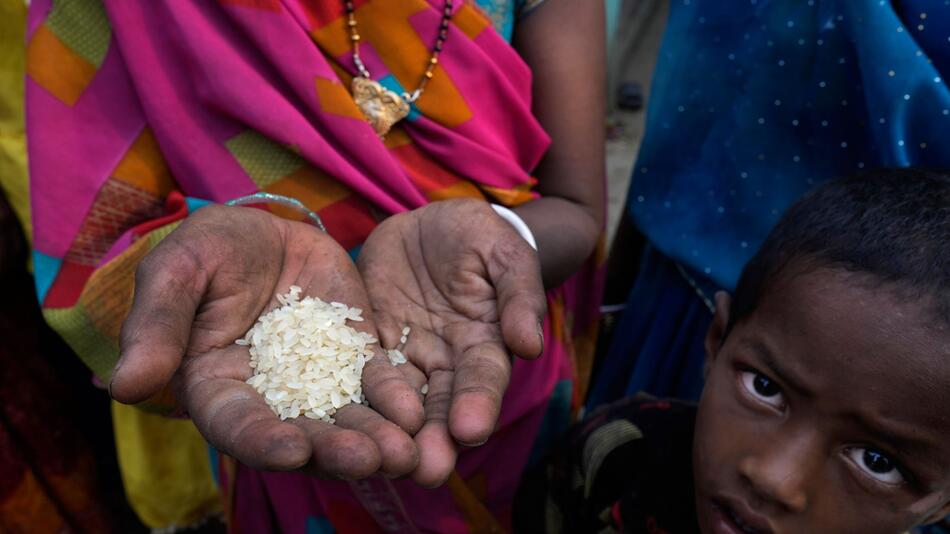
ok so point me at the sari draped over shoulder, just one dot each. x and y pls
(140, 113)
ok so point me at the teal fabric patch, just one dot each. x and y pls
(45, 269)
(390, 82)
(213, 461)
(319, 525)
(557, 419)
(502, 14)
(195, 204)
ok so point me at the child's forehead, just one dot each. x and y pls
(855, 345)
(831, 302)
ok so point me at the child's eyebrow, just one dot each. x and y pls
(904, 439)
(767, 356)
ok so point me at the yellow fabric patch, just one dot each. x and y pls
(144, 167)
(264, 160)
(83, 26)
(56, 68)
(165, 468)
(13, 168)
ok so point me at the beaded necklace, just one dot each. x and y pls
(381, 107)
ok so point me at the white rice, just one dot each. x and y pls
(307, 360)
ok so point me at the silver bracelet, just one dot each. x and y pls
(514, 220)
(270, 198)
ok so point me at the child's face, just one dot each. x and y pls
(827, 409)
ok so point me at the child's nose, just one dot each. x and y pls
(780, 472)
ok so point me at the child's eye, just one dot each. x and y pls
(876, 465)
(763, 388)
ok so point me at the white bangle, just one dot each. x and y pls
(514, 220)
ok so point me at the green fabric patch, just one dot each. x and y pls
(83, 26)
(99, 352)
(156, 235)
(262, 159)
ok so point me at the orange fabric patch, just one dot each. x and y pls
(511, 197)
(107, 296)
(333, 37)
(335, 99)
(385, 25)
(458, 190)
(469, 496)
(144, 167)
(556, 316)
(471, 20)
(308, 185)
(397, 137)
(56, 68)
(28, 509)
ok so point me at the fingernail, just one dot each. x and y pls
(111, 380)
(541, 337)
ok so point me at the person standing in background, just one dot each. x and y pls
(752, 105)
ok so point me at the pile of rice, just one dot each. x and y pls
(307, 360)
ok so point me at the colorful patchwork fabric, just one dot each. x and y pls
(142, 112)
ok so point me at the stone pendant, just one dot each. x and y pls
(381, 107)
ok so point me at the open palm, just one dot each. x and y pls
(201, 289)
(469, 287)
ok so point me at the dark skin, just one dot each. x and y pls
(569, 101)
(208, 281)
(439, 268)
(808, 424)
(199, 290)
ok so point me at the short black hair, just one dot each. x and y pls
(890, 224)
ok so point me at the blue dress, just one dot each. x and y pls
(753, 103)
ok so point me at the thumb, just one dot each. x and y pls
(515, 272)
(154, 336)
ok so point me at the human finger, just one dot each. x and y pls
(515, 273)
(390, 393)
(154, 336)
(235, 418)
(399, 455)
(482, 372)
(339, 452)
(388, 389)
(437, 450)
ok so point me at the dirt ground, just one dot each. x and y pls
(632, 57)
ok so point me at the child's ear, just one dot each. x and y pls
(717, 329)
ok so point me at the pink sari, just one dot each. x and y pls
(138, 113)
